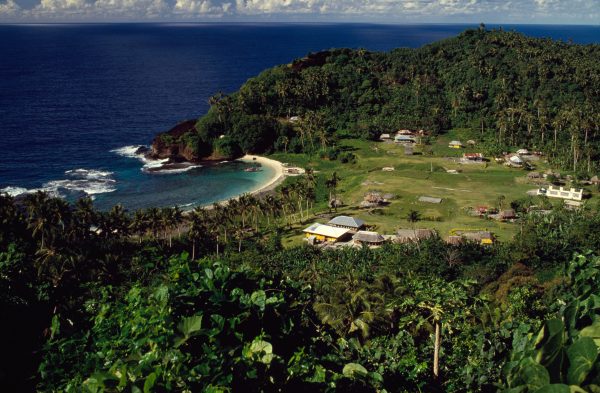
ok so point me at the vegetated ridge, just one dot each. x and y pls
(516, 90)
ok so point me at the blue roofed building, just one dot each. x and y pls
(347, 222)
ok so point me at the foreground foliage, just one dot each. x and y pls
(130, 310)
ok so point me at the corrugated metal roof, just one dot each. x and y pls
(430, 199)
(326, 230)
(346, 221)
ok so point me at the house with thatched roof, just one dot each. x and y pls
(347, 222)
(508, 214)
(413, 235)
(481, 237)
(385, 137)
(595, 180)
(456, 144)
(455, 240)
(368, 238)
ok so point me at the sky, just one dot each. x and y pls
(382, 11)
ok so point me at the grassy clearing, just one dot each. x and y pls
(488, 184)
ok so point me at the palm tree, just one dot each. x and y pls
(118, 222)
(169, 221)
(154, 221)
(332, 184)
(198, 227)
(40, 215)
(139, 224)
(177, 216)
(413, 217)
(85, 215)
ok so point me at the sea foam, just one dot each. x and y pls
(88, 181)
(158, 166)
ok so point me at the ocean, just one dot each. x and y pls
(77, 100)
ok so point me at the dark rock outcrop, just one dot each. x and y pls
(170, 144)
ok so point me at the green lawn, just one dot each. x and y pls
(415, 176)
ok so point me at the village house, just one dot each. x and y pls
(347, 222)
(405, 132)
(515, 161)
(483, 210)
(317, 233)
(561, 192)
(368, 238)
(385, 137)
(478, 157)
(413, 235)
(481, 237)
(455, 240)
(508, 214)
(404, 139)
(455, 144)
(373, 199)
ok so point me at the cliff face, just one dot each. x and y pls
(168, 144)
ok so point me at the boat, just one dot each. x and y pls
(252, 169)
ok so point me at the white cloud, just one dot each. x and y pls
(567, 11)
(10, 8)
(201, 7)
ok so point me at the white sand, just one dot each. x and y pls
(277, 179)
(275, 165)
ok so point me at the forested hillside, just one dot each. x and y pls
(517, 91)
(110, 301)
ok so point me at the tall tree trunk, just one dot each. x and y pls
(436, 351)
(193, 249)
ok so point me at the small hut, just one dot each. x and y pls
(478, 157)
(368, 238)
(595, 180)
(523, 152)
(455, 144)
(373, 199)
(515, 161)
(508, 214)
(471, 142)
(404, 139)
(385, 137)
(481, 237)
(455, 240)
(413, 235)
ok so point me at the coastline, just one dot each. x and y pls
(262, 189)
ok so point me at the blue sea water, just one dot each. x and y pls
(74, 99)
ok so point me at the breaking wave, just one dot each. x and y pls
(82, 181)
(159, 166)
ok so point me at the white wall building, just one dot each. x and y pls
(561, 192)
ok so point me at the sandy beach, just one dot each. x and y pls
(277, 178)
